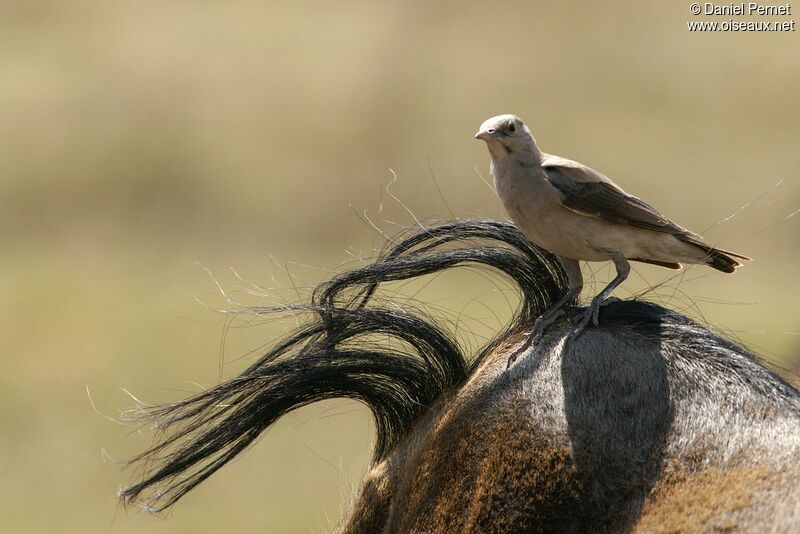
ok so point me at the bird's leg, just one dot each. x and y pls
(593, 312)
(555, 311)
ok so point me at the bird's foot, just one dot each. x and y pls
(536, 333)
(592, 314)
(583, 323)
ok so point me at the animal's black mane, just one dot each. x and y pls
(328, 357)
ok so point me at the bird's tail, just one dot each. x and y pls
(721, 260)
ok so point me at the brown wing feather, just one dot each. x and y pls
(603, 199)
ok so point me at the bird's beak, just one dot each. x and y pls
(483, 134)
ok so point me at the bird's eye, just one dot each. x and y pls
(512, 127)
(490, 130)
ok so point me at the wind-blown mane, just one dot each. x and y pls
(328, 357)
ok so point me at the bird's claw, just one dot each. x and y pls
(582, 324)
(591, 314)
(535, 335)
(531, 340)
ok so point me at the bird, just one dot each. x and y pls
(579, 214)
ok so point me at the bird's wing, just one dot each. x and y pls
(587, 192)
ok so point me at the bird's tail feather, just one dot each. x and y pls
(721, 260)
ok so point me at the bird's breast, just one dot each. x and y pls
(535, 207)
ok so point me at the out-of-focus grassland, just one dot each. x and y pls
(137, 138)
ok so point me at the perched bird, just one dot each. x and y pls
(579, 214)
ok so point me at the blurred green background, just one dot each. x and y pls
(144, 143)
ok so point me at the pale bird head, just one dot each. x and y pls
(507, 131)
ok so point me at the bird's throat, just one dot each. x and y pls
(505, 160)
